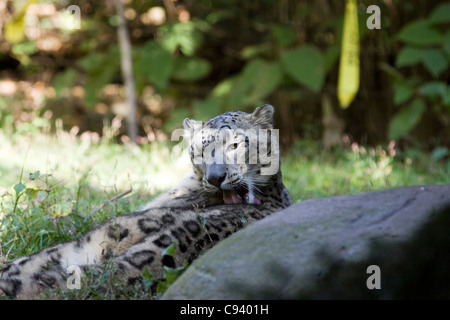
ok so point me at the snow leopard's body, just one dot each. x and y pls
(206, 207)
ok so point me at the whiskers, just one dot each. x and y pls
(251, 185)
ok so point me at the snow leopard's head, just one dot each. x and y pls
(235, 153)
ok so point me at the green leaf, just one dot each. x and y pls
(331, 57)
(402, 92)
(208, 108)
(62, 209)
(263, 78)
(434, 89)
(31, 192)
(305, 65)
(92, 61)
(439, 153)
(96, 81)
(100, 68)
(446, 42)
(171, 274)
(191, 69)
(147, 274)
(24, 48)
(175, 118)
(224, 87)
(258, 79)
(170, 250)
(35, 175)
(284, 35)
(435, 61)
(64, 80)
(161, 287)
(419, 32)
(440, 14)
(156, 63)
(406, 119)
(183, 35)
(447, 98)
(409, 56)
(147, 278)
(19, 188)
(258, 50)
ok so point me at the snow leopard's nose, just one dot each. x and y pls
(216, 175)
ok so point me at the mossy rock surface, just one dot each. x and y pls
(321, 248)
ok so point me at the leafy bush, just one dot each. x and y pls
(426, 45)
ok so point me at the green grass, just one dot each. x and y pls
(311, 172)
(54, 188)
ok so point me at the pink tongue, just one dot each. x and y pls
(231, 196)
(257, 201)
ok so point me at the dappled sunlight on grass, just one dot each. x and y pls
(54, 188)
(109, 167)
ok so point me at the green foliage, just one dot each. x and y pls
(426, 44)
(409, 56)
(305, 65)
(99, 68)
(436, 89)
(440, 153)
(155, 64)
(256, 51)
(264, 52)
(169, 274)
(283, 34)
(191, 69)
(258, 79)
(407, 119)
(440, 14)
(170, 250)
(24, 48)
(206, 109)
(420, 32)
(185, 36)
(309, 171)
(64, 80)
(103, 283)
(435, 61)
(402, 91)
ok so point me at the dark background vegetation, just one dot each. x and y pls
(203, 57)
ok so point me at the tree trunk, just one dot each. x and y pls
(127, 71)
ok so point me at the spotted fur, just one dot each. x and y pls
(193, 214)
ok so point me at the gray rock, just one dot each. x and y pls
(321, 248)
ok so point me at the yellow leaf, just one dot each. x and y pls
(15, 28)
(348, 81)
(14, 31)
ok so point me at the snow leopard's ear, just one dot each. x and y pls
(263, 116)
(188, 124)
(190, 128)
